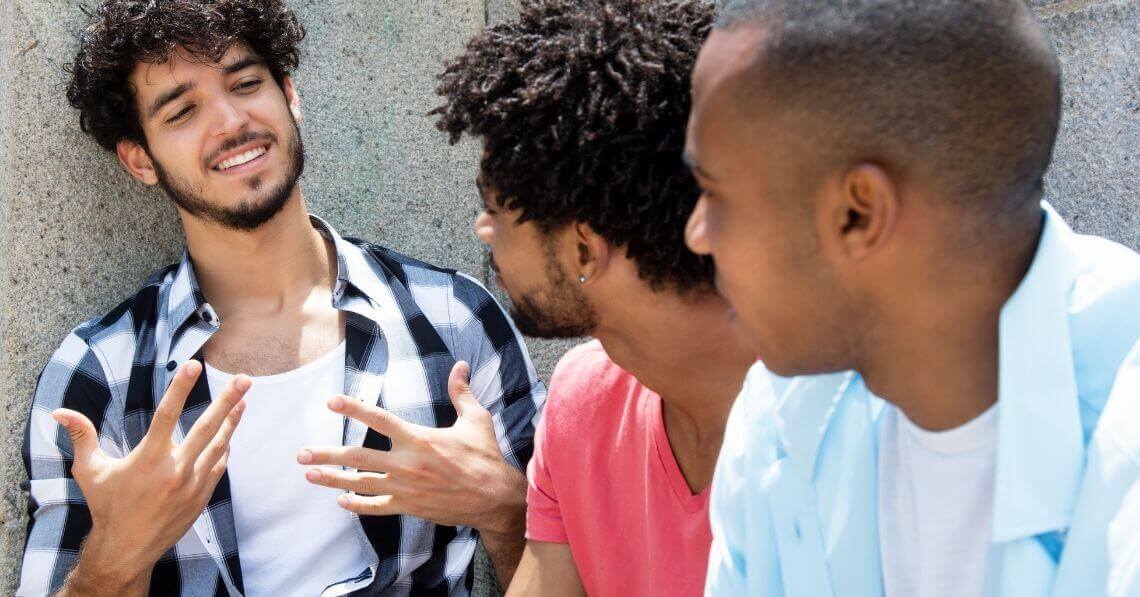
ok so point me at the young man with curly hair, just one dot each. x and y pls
(581, 108)
(142, 479)
(872, 175)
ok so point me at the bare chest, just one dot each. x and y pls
(269, 346)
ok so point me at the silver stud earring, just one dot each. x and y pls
(581, 278)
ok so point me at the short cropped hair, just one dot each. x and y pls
(582, 106)
(968, 90)
(123, 33)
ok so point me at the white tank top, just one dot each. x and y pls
(292, 537)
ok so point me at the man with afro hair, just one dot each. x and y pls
(142, 479)
(581, 108)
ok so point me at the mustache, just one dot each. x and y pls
(235, 142)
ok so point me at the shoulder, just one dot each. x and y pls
(1108, 272)
(586, 384)
(1104, 321)
(443, 294)
(100, 352)
(407, 270)
(117, 330)
(587, 368)
(1122, 410)
(750, 436)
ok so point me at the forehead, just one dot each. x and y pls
(181, 67)
(728, 55)
(723, 67)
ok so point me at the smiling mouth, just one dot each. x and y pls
(242, 158)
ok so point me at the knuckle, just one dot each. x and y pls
(357, 459)
(413, 492)
(181, 474)
(416, 468)
(380, 418)
(163, 415)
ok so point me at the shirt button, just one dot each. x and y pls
(171, 366)
(206, 317)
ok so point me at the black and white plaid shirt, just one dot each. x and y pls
(407, 324)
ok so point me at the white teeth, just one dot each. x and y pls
(242, 158)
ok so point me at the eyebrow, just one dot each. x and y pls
(179, 91)
(168, 97)
(243, 64)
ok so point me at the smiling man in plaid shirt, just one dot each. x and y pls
(154, 470)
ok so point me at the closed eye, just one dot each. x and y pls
(181, 113)
(248, 85)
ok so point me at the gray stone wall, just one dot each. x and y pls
(76, 235)
(1095, 177)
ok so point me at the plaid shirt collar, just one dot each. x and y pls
(186, 301)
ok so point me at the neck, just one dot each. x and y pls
(278, 264)
(937, 358)
(682, 348)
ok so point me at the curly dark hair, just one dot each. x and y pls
(122, 33)
(582, 105)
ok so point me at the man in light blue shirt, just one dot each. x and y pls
(966, 420)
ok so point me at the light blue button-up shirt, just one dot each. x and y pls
(794, 508)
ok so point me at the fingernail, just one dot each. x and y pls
(313, 475)
(59, 418)
(342, 501)
(242, 383)
(304, 457)
(336, 403)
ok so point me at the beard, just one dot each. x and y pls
(565, 312)
(249, 213)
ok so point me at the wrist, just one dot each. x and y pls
(108, 568)
(508, 523)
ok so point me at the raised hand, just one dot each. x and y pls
(452, 476)
(142, 504)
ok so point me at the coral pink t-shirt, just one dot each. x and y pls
(604, 479)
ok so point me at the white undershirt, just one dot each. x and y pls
(936, 492)
(293, 539)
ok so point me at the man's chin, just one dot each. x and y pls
(537, 325)
(245, 216)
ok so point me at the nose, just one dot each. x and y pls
(696, 236)
(484, 229)
(229, 118)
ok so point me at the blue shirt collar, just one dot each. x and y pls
(1040, 445)
(1040, 441)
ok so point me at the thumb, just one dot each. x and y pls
(460, 391)
(84, 439)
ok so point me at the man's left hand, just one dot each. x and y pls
(452, 476)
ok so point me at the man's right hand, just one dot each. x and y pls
(142, 504)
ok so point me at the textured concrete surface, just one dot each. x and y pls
(1095, 178)
(76, 235)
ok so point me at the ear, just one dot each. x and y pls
(291, 96)
(136, 161)
(860, 212)
(592, 252)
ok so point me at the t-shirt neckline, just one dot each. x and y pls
(690, 502)
(286, 376)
